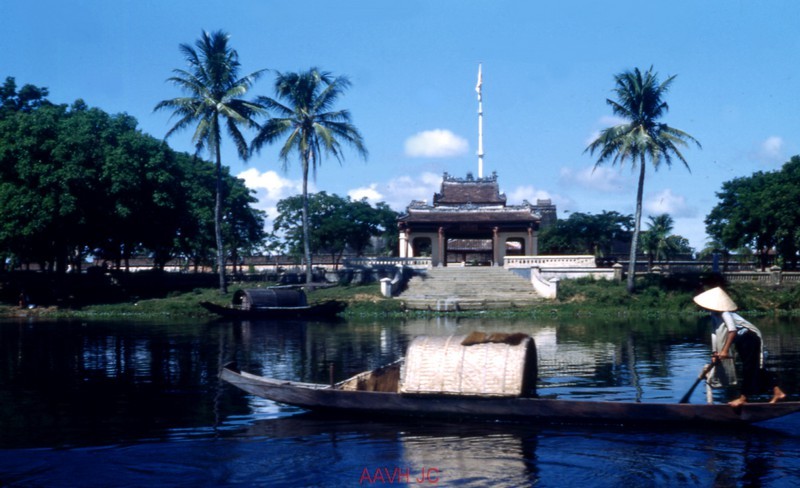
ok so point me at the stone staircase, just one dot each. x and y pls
(449, 289)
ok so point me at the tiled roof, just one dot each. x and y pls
(481, 191)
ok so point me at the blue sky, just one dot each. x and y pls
(548, 68)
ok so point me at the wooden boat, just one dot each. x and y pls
(382, 393)
(272, 303)
(336, 399)
(323, 310)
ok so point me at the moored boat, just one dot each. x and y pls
(273, 303)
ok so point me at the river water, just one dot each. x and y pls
(126, 403)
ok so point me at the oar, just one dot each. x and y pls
(703, 374)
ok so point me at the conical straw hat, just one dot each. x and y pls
(715, 299)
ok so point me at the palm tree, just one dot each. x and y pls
(213, 97)
(640, 101)
(656, 241)
(303, 113)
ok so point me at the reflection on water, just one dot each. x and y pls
(140, 403)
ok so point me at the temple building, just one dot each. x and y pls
(470, 223)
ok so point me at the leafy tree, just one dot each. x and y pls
(303, 114)
(140, 176)
(584, 233)
(243, 225)
(45, 175)
(28, 98)
(654, 240)
(760, 213)
(640, 101)
(658, 242)
(387, 223)
(76, 181)
(213, 89)
(336, 224)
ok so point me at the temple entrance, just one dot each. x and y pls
(470, 224)
(515, 247)
(422, 247)
(469, 252)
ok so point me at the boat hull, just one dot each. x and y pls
(322, 310)
(324, 398)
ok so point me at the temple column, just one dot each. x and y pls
(405, 251)
(440, 259)
(495, 247)
(529, 243)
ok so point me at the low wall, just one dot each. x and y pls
(414, 263)
(775, 277)
(572, 262)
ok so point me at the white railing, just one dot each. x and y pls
(748, 277)
(575, 273)
(790, 278)
(417, 263)
(582, 261)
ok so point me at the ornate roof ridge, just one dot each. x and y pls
(448, 178)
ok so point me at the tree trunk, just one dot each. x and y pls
(306, 240)
(637, 219)
(223, 286)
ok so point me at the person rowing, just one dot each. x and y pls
(749, 346)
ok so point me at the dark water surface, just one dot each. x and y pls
(139, 404)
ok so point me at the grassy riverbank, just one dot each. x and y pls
(576, 297)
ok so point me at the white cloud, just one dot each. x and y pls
(771, 150)
(666, 202)
(400, 191)
(270, 182)
(529, 193)
(270, 187)
(369, 192)
(601, 178)
(437, 143)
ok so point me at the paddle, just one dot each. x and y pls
(703, 374)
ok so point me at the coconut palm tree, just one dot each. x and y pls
(213, 98)
(640, 101)
(656, 241)
(302, 112)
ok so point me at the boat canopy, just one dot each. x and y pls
(263, 298)
(477, 364)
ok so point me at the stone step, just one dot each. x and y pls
(454, 305)
(467, 288)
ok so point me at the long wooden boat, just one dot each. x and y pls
(322, 310)
(363, 395)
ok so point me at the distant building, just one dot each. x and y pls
(470, 222)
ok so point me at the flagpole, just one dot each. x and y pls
(480, 122)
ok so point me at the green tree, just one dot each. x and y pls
(302, 112)
(243, 225)
(640, 101)
(26, 99)
(760, 213)
(584, 233)
(214, 92)
(658, 242)
(76, 180)
(387, 224)
(139, 180)
(336, 224)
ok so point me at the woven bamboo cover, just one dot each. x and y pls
(441, 365)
